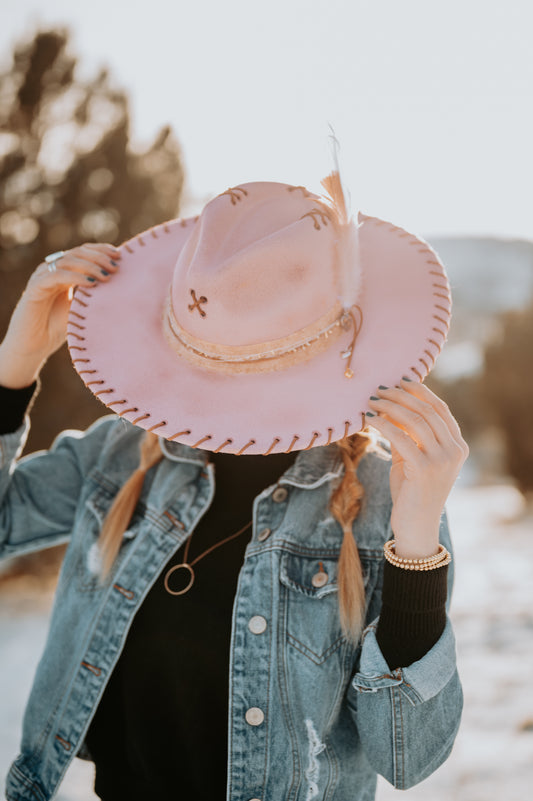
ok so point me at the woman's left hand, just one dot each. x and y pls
(428, 452)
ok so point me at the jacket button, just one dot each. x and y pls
(264, 534)
(254, 716)
(257, 624)
(279, 494)
(319, 579)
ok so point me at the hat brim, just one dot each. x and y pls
(116, 341)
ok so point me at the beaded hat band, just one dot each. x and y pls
(298, 347)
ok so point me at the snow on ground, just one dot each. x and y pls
(492, 613)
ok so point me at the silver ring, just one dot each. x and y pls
(52, 258)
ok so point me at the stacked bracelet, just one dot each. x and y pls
(441, 558)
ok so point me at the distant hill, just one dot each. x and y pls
(488, 274)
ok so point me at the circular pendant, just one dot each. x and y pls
(189, 585)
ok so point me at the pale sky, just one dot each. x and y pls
(432, 101)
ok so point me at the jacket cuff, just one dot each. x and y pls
(420, 681)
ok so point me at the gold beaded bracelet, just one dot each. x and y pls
(441, 558)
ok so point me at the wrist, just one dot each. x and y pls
(17, 372)
(415, 544)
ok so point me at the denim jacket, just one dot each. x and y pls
(310, 716)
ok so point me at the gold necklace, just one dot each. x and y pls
(188, 566)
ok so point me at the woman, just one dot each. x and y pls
(277, 654)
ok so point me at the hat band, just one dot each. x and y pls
(276, 354)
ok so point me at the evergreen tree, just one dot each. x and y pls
(68, 175)
(507, 385)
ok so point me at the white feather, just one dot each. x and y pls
(348, 245)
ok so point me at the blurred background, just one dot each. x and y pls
(117, 116)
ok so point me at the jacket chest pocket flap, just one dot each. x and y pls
(311, 600)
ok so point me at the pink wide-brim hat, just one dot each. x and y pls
(261, 325)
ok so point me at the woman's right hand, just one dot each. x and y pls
(38, 325)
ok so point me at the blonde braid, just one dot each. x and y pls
(122, 508)
(345, 505)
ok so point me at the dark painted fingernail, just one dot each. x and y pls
(104, 272)
(404, 378)
(90, 278)
(369, 414)
(373, 397)
(382, 387)
(114, 263)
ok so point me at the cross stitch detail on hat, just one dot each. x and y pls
(196, 304)
(263, 324)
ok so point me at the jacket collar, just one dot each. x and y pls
(310, 469)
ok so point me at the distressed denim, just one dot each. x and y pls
(310, 716)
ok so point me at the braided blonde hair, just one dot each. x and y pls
(122, 508)
(345, 505)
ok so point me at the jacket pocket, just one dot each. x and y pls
(310, 594)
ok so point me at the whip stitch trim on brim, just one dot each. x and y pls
(442, 317)
(443, 314)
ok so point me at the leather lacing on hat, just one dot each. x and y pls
(420, 369)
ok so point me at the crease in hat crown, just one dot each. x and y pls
(266, 279)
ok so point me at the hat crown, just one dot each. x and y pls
(259, 265)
